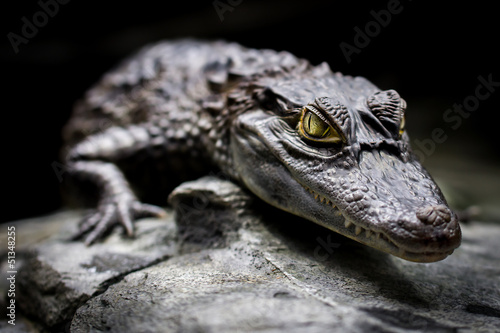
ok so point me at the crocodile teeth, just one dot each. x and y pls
(320, 198)
(358, 230)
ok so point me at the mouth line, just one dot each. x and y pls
(378, 239)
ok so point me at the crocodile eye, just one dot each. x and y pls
(314, 128)
(402, 126)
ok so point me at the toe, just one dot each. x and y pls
(146, 210)
(100, 228)
(125, 219)
(86, 224)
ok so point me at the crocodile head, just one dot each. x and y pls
(334, 150)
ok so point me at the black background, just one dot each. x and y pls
(431, 54)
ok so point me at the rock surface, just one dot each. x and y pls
(224, 268)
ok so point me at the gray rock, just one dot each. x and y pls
(209, 213)
(58, 275)
(226, 268)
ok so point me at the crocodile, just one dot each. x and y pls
(328, 147)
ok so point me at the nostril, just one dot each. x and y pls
(435, 215)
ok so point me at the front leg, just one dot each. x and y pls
(117, 203)
(92, 160)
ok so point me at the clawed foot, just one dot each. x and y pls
(111, 212)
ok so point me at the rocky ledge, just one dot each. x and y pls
(222, 262)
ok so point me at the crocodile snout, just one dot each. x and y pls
(403, 204)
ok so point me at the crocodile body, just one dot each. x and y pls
(321, 145)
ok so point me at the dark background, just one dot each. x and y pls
(431, 54)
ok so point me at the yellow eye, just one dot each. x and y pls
(314, 128)
(402, 126)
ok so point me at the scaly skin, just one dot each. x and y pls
(327, 147)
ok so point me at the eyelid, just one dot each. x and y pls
(317, 113)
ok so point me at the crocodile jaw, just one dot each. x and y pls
(378, 239)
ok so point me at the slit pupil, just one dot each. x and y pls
(309, 121)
